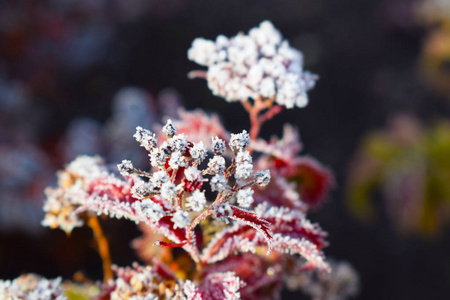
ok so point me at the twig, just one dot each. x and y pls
(103, 247)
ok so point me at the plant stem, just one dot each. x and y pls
(103, 247)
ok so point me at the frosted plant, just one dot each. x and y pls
(259, 65)
(240, 218)
(340, 284)
(32, 287)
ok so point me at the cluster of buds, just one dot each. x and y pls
(32, 287)
(258, 65)
(178, 179)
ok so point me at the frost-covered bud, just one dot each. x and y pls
(243, 171)
(262, 178)
(141, 190)
(159, 178)
(198, 152)
(218, 145)
(197, 201)
(223, 211)
(192, 174)
(177, 160)
(218, 183)
(169, 129)
(149, 208)
(179, 143)
(203, 52)
(158, 156)
(239, 141)
(216, 164)
(146, 138)
(245, 197)
(180, 219)
(169, 190)
(243, 157)
(126, 168)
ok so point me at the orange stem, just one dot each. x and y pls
(103, 247)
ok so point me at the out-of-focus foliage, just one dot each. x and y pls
(435, 56)
(408, 165)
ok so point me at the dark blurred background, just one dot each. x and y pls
(63, 64)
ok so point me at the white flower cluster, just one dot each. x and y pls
(260, 64)
(32, 287)
(185, 196)
(62, 201)
(340, 284)
(141, 283)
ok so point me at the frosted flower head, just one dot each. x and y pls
(243, 171)
(217, 145)
(179, 143)
(218, 183)
(239, 141)
(146, 138)
(197, 201)
(245, 197)
(159, 178)
(180, 219)
(216, 164)
(177, 160)
(149, 209)
(243, 157)
(258, 65)
(192, 174)
(158, 156)
(169, 129)
(126, 168)
(169, 190)
(141, 190)
(262, 178)
(198, 152)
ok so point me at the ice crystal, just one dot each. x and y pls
(245, 197)
(169, 129)
(146, 138)
(181, 219)
(197, 201)
(262, 178)
(218, 145)
(218, 183)
(240, 141)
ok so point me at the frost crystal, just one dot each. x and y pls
(179, 143)
(149, 208)
(218, 183)
(125, 168)
(245, 197)
(169, 129)
(181, 219)
(217, 145)
(197, 201)
(159, 178)
(239, 141)
(198, 152)
(262, 178)
(260, 64)
(146, 138)
(141, 190)
(216, 164)
(192, 174)
(177, 160)
(169, 190)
